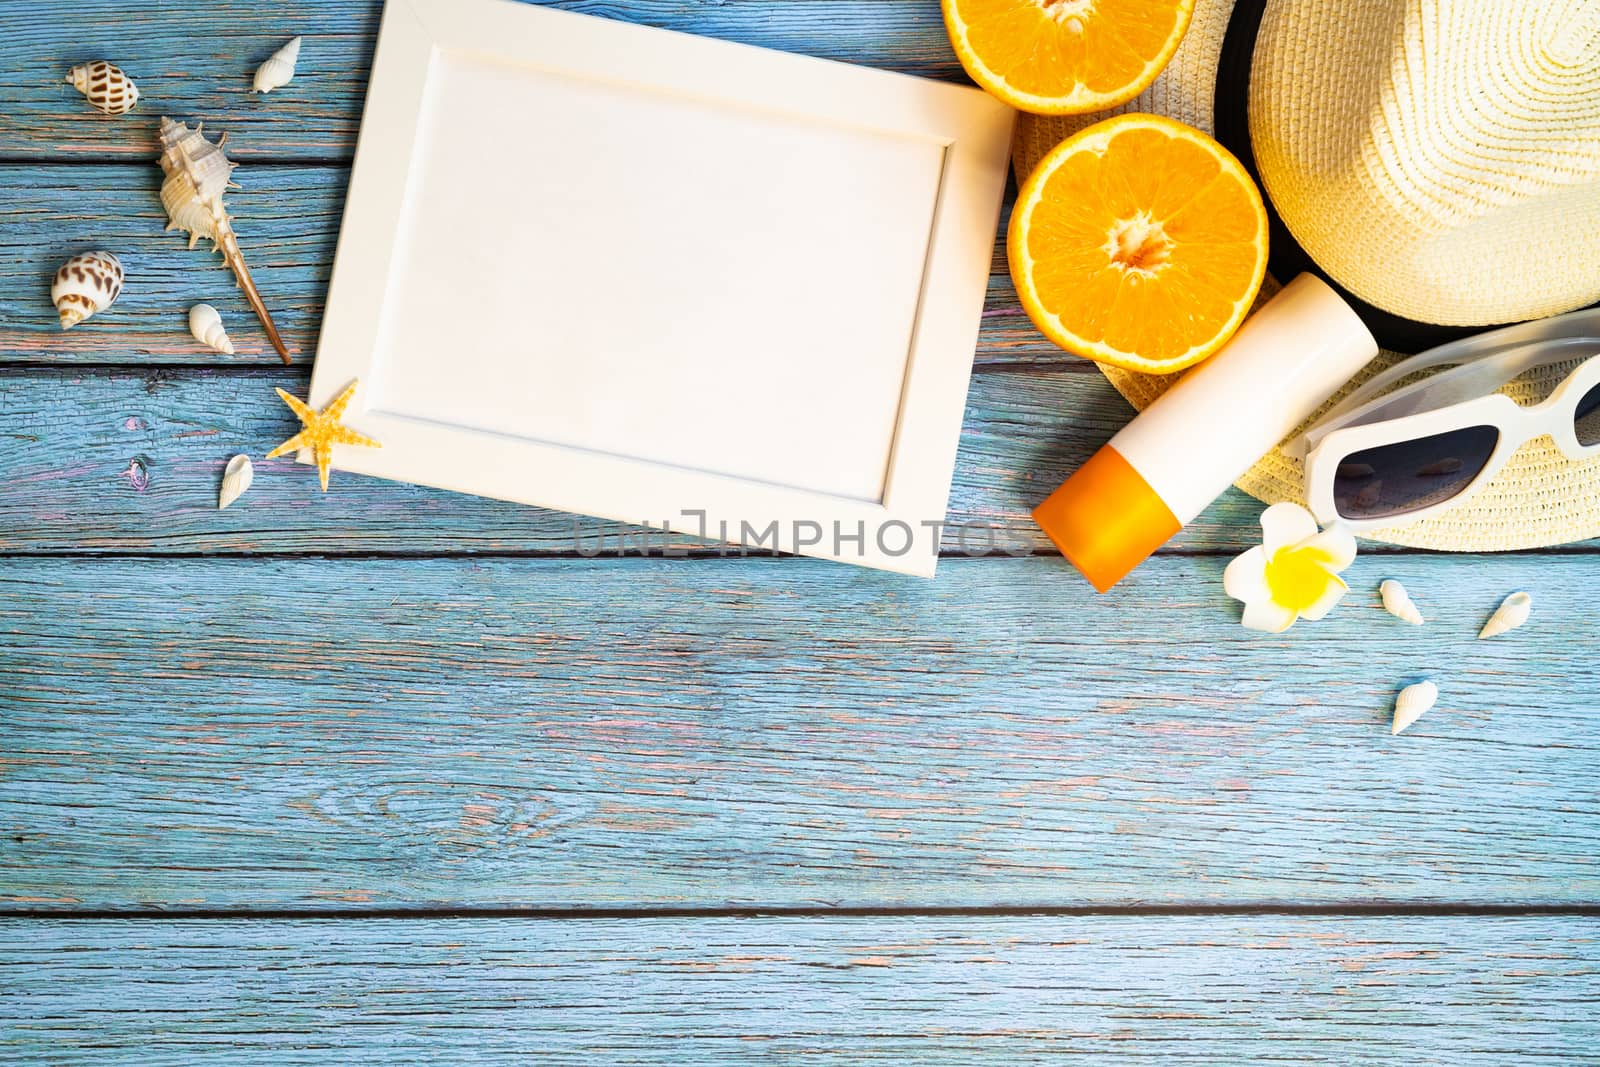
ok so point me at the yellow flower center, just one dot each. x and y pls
(1299, 576)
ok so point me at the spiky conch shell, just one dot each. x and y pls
(105, 86)
(278, 70)
(85, 284)
(197, 176)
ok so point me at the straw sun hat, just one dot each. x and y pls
(1437, 160)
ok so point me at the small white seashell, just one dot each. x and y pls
(107, 88)
(1398, 602)
(1411, 703)
(85, 284)
(278, 70)
(235, 480)
(1512, 613)
(206, 325)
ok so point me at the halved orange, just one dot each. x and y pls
(1060, 57)
(1139, 242)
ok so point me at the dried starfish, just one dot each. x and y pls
(321, 431)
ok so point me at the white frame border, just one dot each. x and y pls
(973, 128)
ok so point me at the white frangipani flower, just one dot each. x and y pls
(1293, 573)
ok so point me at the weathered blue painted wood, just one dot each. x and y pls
(234, 734)
(117, 461)
(196, 60)
(354, 733)
(120, 461)
(1221, 990)
(111, 461)
(288, 221)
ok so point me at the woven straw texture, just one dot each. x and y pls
(1415, 203)
(1539, 499)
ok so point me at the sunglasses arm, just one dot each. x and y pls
(1483, 364)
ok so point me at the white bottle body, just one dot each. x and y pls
(1286, 360)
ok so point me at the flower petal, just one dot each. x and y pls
(1328, 600)
(1246, 577)
(1268, 616)
(1286, 524)
(1338, 544)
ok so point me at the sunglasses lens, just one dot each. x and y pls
(1588, 418)
(1393, 480)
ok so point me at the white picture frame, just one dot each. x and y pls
(661, 279)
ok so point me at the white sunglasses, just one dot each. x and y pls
(1377, 459)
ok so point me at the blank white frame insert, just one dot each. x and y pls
(662, 279)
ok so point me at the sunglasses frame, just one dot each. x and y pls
(1516, 425)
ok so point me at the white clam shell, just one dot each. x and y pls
(85, 284)
(206, 325)
(105, 87)
(1512, 613)
(235, 480)
(1412, 702)
(278, 70)
(1398, 602)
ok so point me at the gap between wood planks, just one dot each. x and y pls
(24, 159)
(570, 914)
(690, 555)
(1347, 910)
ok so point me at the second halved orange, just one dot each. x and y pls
(1139, 242)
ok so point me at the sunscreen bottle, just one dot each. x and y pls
(1185, 449)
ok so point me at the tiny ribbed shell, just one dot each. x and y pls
(1513, 611)
(205, 322)
(105, 86)
(1412, 702)
(278, 70)
(1398, 602)
(236, 478)
(85, 284)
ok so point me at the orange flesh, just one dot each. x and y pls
(1150, 245)
(1060, 49)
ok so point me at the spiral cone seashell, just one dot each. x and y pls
(1512, 613)
(197, 177)
(1412, 702)
(86, 284)
(1398, 602)
(278, 70)
(105, 86)
(236, 478)
(206, 325)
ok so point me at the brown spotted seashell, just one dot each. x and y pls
(105, 86)
(85, 284)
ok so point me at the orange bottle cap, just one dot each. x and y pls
(1106, 519)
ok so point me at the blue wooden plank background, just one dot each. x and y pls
(396, 701)
(711, 733)
(929, 991)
